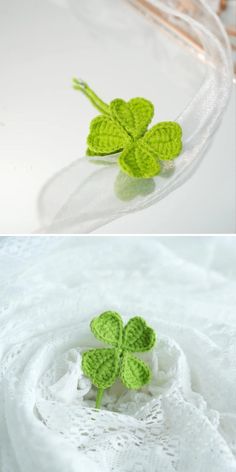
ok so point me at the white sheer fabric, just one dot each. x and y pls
(184, 420)
(65, 203)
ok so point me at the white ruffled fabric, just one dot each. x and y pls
(184, 420)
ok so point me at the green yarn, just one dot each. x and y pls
(103, 366)
(122, 127)
(106, 136)
(108, 328)
(91, 95)
(134, 116)
(164, 139)
(138, 337)
(137, 161)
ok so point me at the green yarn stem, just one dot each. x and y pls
(99, 398)
(91, 95)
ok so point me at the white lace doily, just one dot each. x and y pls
(185, 420)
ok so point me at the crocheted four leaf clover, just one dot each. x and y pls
(104, 365)
(123, 127)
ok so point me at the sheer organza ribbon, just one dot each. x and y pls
(89, 194)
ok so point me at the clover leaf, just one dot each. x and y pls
(134, 116)
(103, 366)
(123, 127)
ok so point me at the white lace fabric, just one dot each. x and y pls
(184, 420)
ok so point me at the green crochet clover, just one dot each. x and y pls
(122, 127)
(103, 366)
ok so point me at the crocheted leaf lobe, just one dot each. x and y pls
(164, 139)
(106, 136)
(138, 337)
(138, 161)
(134, 372)
(108, 327)
(101, 366)
(134, 116)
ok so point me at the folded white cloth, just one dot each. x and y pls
(184, 420)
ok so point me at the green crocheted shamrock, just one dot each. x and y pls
(122, 127)
(103, 366)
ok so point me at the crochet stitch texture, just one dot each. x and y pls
(104, 365)
(122, 127)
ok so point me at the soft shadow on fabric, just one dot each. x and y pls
(88, 194)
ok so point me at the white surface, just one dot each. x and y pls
(50, 288)
(44, 123)
(206, 203)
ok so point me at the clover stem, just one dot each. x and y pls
(99, 398)
(79, 84)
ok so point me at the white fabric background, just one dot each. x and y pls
(185, 288)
